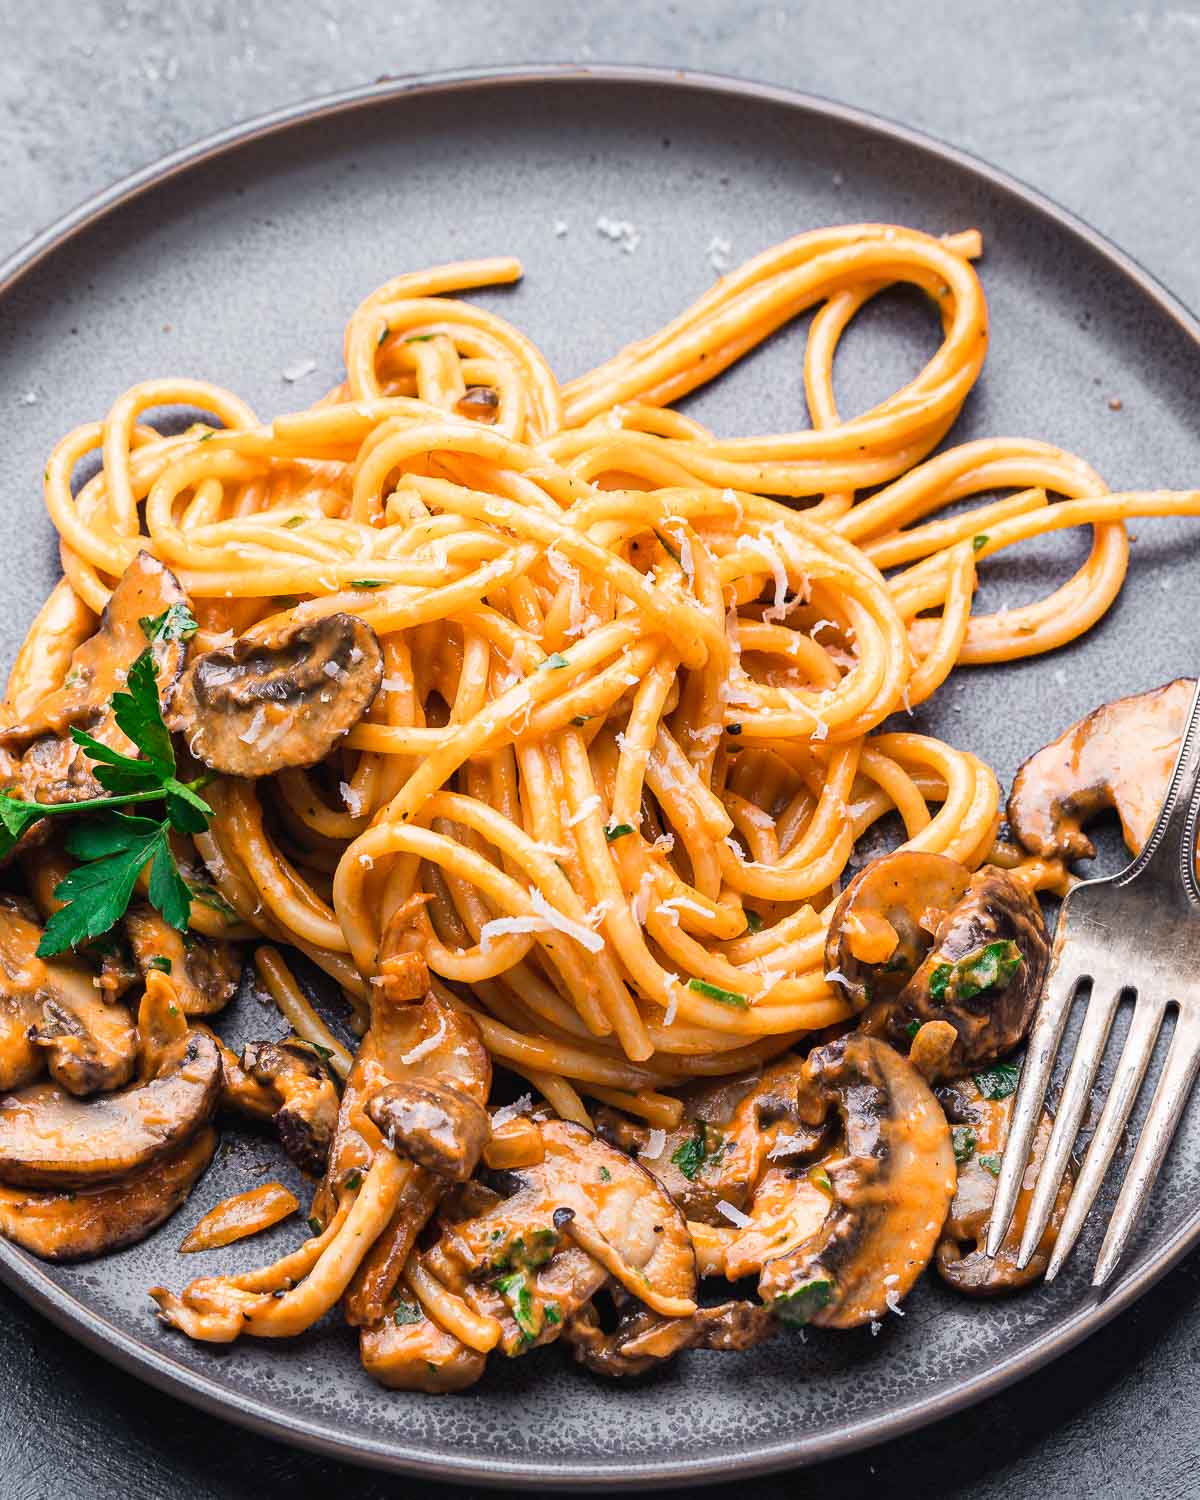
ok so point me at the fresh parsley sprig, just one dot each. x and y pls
(114, 847)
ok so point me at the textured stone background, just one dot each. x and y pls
(1094, 103)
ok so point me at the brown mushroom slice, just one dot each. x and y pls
(146, 590)
(642, 1339)
(307, 1099)
(89, 1041)
(731, 1127)
(204, 971)
(983, 975)
(238, 1217)
(62, 625)
(1119, 756)
(263, 705)
(52, 1013)
(364, 1182)
(433, 1124)
(52, 768)
(21, 974)
(980, 1126)
(48, 1138)
(883, 923)
(71, 1226)
(787, 1209)
(890, 1189)
(409, 1352)
(585, 1213)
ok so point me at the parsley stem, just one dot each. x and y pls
(93, 804)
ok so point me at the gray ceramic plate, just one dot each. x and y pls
(242, 257)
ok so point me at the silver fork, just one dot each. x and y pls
(1137, 932)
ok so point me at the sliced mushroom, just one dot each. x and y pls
(52, 768)
(52, 1013)
(205, 971)
(434, 1124)
(50, 1139)
(890, 1189)
(883, 923)
(261, 706)
(62, 625)
(21, 975)
(89, 1041)
(238, 1217)
(983, 975)
(307, 1099)
(70, 1226)
(788, 1207)
(980, 1130)
(409, 1352)
(1120, 756)
(731, 1128)
(642, 1339)
(365, 1183)
(585, 1213)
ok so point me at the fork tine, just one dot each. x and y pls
(1093, 1037)
(1165, 1109)
(1127, 1081)
(1035, 1076)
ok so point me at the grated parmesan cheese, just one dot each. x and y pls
(298, 370)
(892, 1298)
(778, 610)
(620, 231)
(546, 918)
(655, 1143)
(786, 1144)
(507, 1112)
(719, 252)
(249, 735)
(734, 1215)
(588, 806)
(430, 1044)
(836, 974)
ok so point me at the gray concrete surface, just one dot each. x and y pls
(1096, 104)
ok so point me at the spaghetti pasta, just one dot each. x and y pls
(635, 675)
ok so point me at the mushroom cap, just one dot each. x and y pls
(961, 1259)
(643, 1339)
(583, 1189)
(50, 1139)
(51, 1013)
(263, 705)
(74, 1226)
(891, 1189)
(38, 759)
(204, 971)
(146, 589)
(418, 1356)
(731, 1126)
(435, 1125)
(1120, 755)
(307, 1100)
(883, 923)
(997, 918)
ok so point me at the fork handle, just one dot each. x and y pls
(1170, 851)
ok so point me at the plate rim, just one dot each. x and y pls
(26, 1277)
